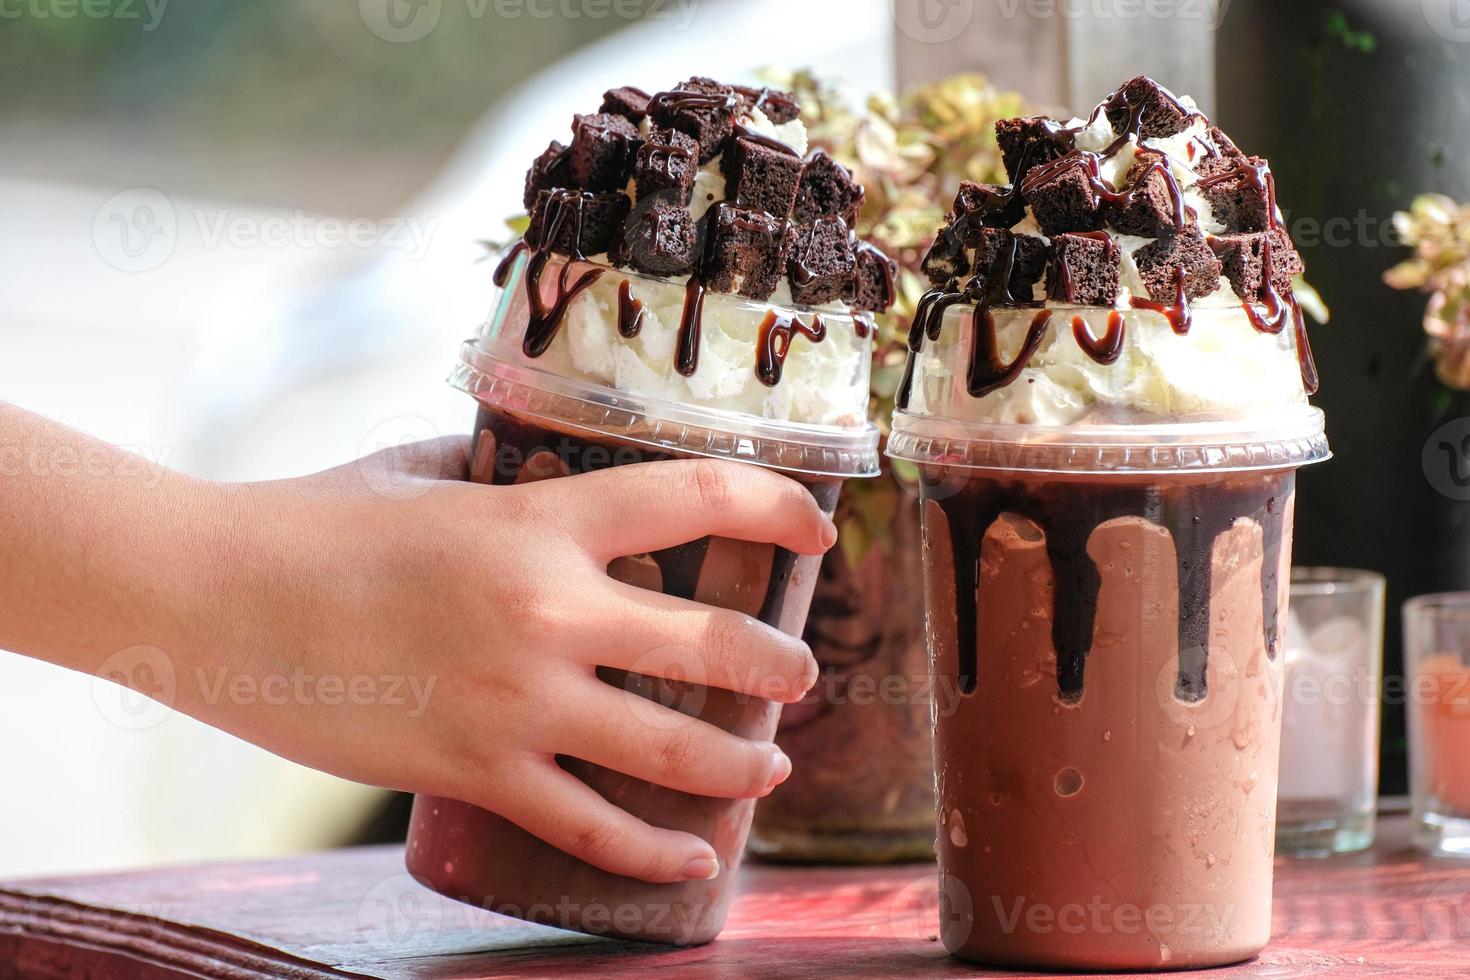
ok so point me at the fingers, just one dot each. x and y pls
(568, 814)
(630, 734)
(681, 640)
(627, 510)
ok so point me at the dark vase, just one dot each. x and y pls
(862, 783)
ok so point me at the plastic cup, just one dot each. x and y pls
(536, 422)
(1105, 603)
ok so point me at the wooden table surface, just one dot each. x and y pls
(1386, 913)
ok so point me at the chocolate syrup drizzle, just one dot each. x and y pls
(630, 311)
(544, 321)
(1104, 349)
(567, 206)
(776, 332)
(1195, 515)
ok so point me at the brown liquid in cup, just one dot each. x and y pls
(1105, 656)
(475, 856)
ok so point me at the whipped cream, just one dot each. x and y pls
(823, 383)
(1223, 368)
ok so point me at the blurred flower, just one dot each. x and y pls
(1439, 230)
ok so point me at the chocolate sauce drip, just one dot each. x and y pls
(680, 566)
(1195, 515)
(987, 373)
(501, 276)
(543, 321)
(928, 318)
(630, 311)
(1104, 349)
(686, 357)
(864, 325)
(776, 332)
(1180, 315)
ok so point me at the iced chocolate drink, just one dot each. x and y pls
(1106, 397)
(690, 286)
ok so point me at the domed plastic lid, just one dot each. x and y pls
(589, 377)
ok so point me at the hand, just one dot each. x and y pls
(495, 604)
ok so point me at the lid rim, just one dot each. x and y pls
(1153, 447)
(805, 449)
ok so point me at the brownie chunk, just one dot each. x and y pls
(985, 205)
(1063, 196)
(577, 223)
(603, 149)
(1160, 112)
(1084, 269)
(1237, 189)
(821, 263)
(990, 254)
(552, 169)
(745, 251)
(1224, 143)
(777, 106)
(946, 259)
(1243, 261)
(873, 279)
(628, 102)
(827, 188)
(1159, 264)
(701, 108)
(761, 177)
(661, 239)
(665, 166)
(1148, 208)
(1032, 140)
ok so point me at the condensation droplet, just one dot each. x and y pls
(995, 799)
(1209, 860)
(957, 835)
(1069, 782)
(1108, 735)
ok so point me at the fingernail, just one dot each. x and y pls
(810, 677)
(701, 869)
(780, 768)
(829, 532)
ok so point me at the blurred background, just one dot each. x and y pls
(245, 240)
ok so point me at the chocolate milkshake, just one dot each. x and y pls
(1107, 411)
(690, 286)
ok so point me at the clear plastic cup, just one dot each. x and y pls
(544, 417)
(1105, 606)
(1437, 661)
(1327, 802)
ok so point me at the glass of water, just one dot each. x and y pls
(1437, 657)
(1328, 791)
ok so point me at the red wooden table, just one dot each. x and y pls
(1386, 913)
